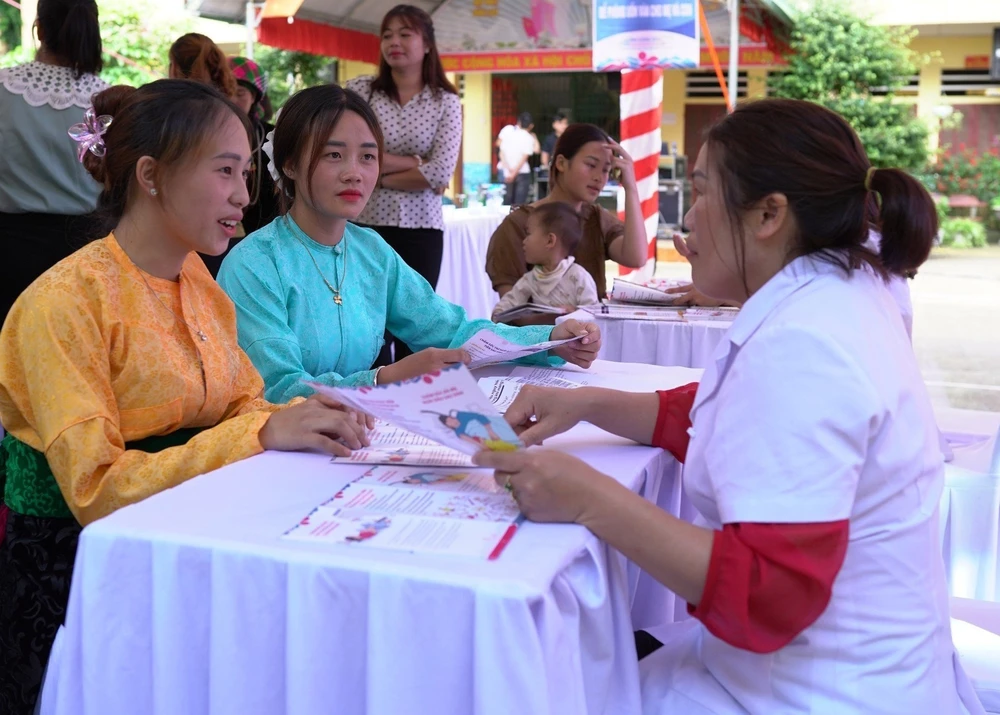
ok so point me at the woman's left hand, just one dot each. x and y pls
(689, 295)
(548, 486)
(581, 352)
(621, 160)
(362, 418)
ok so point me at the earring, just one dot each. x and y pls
(152, 192)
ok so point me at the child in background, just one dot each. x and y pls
(554, 231)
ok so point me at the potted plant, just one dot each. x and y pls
(995, 205)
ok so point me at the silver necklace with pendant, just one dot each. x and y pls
(196, 329)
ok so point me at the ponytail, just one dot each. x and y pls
(907, 220)
(813, 156)
(71, 31)
(196, 57)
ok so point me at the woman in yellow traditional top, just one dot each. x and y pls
(120, 372)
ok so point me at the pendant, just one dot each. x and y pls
(337, 300)
(201, 336)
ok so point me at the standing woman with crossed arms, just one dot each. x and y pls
(421, 119)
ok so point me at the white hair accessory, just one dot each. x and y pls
(268, 149)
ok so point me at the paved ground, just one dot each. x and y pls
(956, 327)
(956, 331)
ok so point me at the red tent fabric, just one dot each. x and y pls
(318, 39)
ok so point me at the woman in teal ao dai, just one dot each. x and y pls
(314, 293)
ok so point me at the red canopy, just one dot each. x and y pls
(318, 38)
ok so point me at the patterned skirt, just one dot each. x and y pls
(36, 568)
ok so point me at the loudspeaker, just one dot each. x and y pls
(995, 57)
(671, 202)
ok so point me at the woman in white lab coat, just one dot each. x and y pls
(814, 571)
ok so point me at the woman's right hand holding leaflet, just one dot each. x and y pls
(319, 423)
(421, 363)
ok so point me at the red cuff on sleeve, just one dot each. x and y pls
(674, 419)
(767, 583)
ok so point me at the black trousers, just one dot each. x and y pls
(516, 193)
(421, 249)
(36, 569)
(39, 241)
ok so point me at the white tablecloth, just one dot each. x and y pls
(660, 343)
(190, 603)
(970, 505)
(463, 279)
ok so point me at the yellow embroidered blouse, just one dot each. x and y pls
(91, 357)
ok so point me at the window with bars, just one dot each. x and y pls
(969, 83)
(706, 85)
(911, 87)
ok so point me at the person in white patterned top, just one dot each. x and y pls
(45, 192)
(421, 117)
(554, 231)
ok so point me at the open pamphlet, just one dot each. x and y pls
(503, 390)
(529, 310)
(439, 511)
(533, 310)
(663, 313)
(659, 313)
(441, 418)
(488, 348)
(721, 314)
(422, 493)
(651, 292)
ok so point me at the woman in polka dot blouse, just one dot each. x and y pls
(421, 118)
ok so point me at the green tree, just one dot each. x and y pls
(141, 32)
(137, 30)
(10, 28)
(854, 68)
(288, 72)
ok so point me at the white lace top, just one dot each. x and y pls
(55, 86)
(41, 174)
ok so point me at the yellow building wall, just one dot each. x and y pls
(951, 51)
(477, 132)
(930, 12)
(672, 121)
(674, 101)
(945, 52)
(756, 83)
(349, 69)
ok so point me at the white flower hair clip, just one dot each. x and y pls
(268, 149)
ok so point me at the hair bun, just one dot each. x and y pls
(107, 102)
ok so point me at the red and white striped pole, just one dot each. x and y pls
(641, 112)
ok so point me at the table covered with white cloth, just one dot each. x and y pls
(463, 280)
(190, 602)
(970, 504)
(652, 342)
